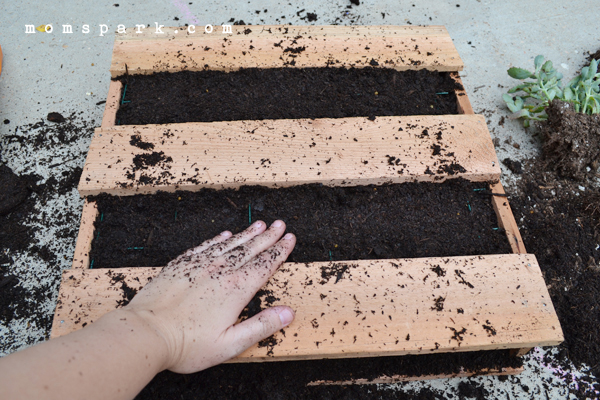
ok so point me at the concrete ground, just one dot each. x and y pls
(47, 72)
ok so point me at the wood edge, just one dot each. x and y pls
(423, 178)
(462, 99)
(506, 219)
(112, 104)
(520, 352)
(116, 70)
(404, 378)
(83, 246)
(55, 318)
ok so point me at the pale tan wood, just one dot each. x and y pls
(81, 257)
(277, 153)
(398, 47)
(402, 378)
(90, 210)
(506, 219)
(500, 301)
(462, 99)
(113, 102)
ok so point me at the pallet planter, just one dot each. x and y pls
(506, 291)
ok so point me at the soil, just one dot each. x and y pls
(571, 141)
(561, 226)
(287, 380)
(17, 235)
(21, 198)
(331, 223)
(284, 93)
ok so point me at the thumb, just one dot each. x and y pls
(259, 327)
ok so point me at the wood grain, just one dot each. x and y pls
(506, 219)
(275, 46)
(83, 246)
(277, 153)
(113, 102)
(369, 308)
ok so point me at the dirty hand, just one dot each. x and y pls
(194, 303)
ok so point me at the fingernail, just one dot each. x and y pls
(277, 224)
(288, 236)
(257, 224)
(226, 233)
(286, 316)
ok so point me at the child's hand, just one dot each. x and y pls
(196, 300)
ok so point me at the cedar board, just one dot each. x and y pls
(397, 47)
(492, 301)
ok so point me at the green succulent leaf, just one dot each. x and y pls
(539, 60)
(519, 73)
(547, 66)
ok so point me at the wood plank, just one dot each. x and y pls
(83, 246)
(462, 100)
(278, 153)
(113, 102)
(370, 308)
(404, 378)
(275, 46)
(506, 219)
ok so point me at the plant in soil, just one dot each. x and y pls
(546, 85)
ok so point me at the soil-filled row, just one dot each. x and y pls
(287, 380)
(331, 223)
(284, 93)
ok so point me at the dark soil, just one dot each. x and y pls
(21, 198)
(13, 190)
(282, 93)
(563, 231)
(393, 221)
(593, 56)
(571, 141)
(287, 380)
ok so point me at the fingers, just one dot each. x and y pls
(245, 252)
(245, 334)
(205, 245)
(258, 271)
(220, 248)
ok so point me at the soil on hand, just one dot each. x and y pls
(331, 223)
(284, 93)
(571, 141)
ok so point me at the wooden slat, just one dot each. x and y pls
(462, 100)
(113, 102)
(276, 153)
(506, 219)
(83, 246)
(404, 378)
(398, 47)
(370, 308)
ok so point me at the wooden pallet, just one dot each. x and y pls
(505, 303)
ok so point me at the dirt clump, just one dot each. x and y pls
(571, 142)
